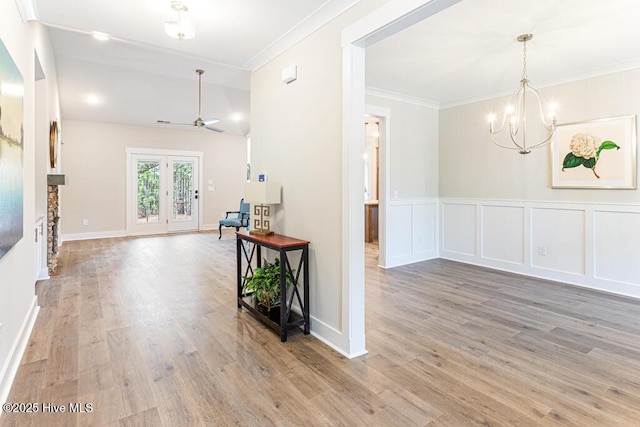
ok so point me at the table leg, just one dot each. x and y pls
(283, 295)
(305, 257)
(239, 268)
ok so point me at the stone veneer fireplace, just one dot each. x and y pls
(53, 219)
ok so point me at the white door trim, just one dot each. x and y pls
(390, 18)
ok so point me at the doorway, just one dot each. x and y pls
(372, 185)
(163, 191)
(390, 18)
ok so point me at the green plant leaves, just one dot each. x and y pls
(607, 145)
(589, 163)
(265, 283)
(571, 161)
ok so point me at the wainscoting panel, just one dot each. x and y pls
(558, 240)
(586, 244)
(503, 233)
(423, 224)
(617, 246)
(399, 240)
(411, 234)
(459, 228)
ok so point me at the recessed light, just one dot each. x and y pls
(236, 117)
(103, 37)
(93, 99)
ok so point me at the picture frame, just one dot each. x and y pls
(596, 154)
(11, 152)
(53, 144)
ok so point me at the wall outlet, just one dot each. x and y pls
(542, 250)
(223, 214)
(85, 222)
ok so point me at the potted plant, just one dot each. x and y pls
(264, 285)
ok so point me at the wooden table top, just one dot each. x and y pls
(274, 240)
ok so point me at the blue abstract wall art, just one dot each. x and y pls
(11, 152)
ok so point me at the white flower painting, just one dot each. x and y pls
(595, 154)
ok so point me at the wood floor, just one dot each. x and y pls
(146, 330)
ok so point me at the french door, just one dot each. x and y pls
(163, 192)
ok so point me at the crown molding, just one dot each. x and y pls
(28, 10)
(400, 97)
(317, 19)
(570, 78)
(583, 75)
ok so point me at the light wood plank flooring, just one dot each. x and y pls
(147, 331)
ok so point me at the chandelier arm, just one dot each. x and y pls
(518, 104)
(540, 144)
(547, 124)
(520, 147)
(505, 146)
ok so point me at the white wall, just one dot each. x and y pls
(498, 208)
(413, 153)
(95, 165)
(18, 303)
(471, 166)
(296, 137)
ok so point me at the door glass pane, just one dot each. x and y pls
(148, 191)
(182, 191)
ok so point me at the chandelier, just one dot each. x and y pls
(515, 113)
(181, 28)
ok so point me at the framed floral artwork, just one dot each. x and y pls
(595, 154)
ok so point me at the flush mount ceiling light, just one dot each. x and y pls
(515, 113)
(182, 28)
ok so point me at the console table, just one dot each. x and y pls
(283, 245)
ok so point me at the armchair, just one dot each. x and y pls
(240, 219)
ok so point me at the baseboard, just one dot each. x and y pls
(331, 336)
(43, 274)
(601, 285)
(10, 368)
(409, 259)
(94, 235)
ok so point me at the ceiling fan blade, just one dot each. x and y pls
(167, 122)
(210, 121)
(215, 129)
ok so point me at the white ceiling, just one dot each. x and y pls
(467, 52)
(142, 75)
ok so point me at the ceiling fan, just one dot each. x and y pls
(207, 124)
